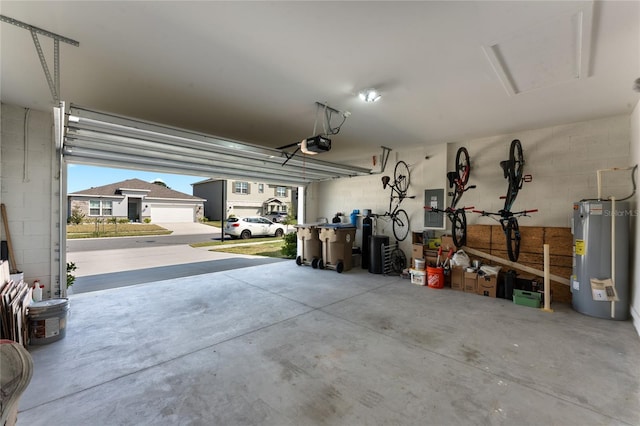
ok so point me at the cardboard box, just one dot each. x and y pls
(487, 285)
(470, 282)
(446, 242)
(417, 251)
(457, 278)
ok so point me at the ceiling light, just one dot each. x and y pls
(369, 95)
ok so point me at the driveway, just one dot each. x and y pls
(107, 263)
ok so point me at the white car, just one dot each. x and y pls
(247, 227)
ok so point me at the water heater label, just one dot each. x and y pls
(580, 247)
(595, 209)
(576, 284)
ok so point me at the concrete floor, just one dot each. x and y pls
(280, 344)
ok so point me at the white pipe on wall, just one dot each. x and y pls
(613, 252)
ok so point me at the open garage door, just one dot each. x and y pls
(104, 139)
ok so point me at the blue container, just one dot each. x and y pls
(354, 217)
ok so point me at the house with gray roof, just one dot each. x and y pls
(137, 200)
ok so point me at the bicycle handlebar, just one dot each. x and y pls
(524, 212)
(505, 214)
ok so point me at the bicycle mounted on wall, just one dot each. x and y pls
(513, 170)
(457, 180)
(399, 186)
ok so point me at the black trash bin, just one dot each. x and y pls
(377, 243)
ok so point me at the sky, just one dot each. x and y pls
(81, 177)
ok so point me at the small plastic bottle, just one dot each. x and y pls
(37, 291)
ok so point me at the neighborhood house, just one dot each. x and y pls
(242, 198)
(137, 200)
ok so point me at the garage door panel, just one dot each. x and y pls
(161, 213)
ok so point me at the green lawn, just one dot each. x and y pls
(270, 249)
(228, 241)
(92, 230)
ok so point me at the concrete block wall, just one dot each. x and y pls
(562, 160)
(634, 159)
(26, 190)
(366, 192)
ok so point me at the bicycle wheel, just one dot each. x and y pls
(516, 160)
(459, 228)
(463, 167)
(400, 225)
(513, 239)
(401, 176)
(398, 261)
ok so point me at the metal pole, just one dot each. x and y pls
(223, 209)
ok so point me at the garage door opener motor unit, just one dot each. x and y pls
(315, 145)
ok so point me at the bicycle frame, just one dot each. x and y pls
(457, 180)
(399, 217)
(512, 168)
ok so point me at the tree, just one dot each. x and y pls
(160, 182)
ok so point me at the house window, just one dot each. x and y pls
(261, 188)
(107, 208)
(281, 191)
(100, 208)
(241, 187)
(94, 208)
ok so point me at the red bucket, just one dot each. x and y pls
(435, 277)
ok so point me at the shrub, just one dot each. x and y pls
(123, 220)
(76, 217)
(290, 247)
(70, 277)
(147, 220)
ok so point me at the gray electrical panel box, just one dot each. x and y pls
(434, 198)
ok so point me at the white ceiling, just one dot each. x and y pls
(253, 71)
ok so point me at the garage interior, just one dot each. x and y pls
(283, 344)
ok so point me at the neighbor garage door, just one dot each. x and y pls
(160, 213)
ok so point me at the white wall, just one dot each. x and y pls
(28, 179)
(365, 192)
(562, 161)
(634, 159)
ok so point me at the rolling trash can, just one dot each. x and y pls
(377, 245)
(337, 246)
(311, 245)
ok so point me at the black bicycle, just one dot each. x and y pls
(458, 180)
(399, 186)
(513, 170)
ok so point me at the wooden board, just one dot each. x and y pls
(479, 236)
(560, 241)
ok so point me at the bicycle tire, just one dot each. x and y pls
(400, 225)
(512, 231)
(459, 228)
(401, 177)
(516, 160)
(462, 164)
(398, 260)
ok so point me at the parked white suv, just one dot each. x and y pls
(247, 227)
(277, 217)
